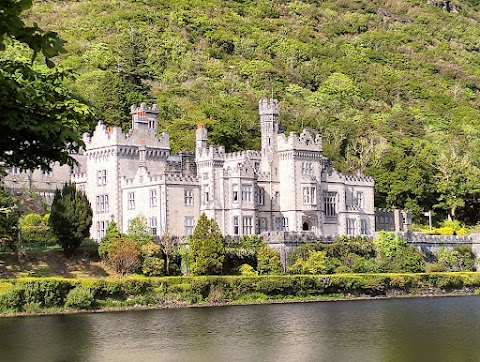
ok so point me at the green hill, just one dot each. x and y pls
(393, 86)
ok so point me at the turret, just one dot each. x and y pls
(268, 110)
(144, 118)
(201, 138)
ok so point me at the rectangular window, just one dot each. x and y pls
(235, 225)
(189, 223)
(281, 223)
(101, 177)
(235, 193)
(15, 171)
(363, 227)
(153, 198)
(307, 168)
(131, 201)
(262, 224)
(101, 229)
(247, 193)
(309, 195)
(153, 225)
(247, 225)
(330, 203)
(351, 227)
(360, 200)
(188, 197)
(261, 196)
(102, 204)
(206, 194)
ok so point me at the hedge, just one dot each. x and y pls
(37, 294)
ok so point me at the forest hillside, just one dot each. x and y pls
(393, 86)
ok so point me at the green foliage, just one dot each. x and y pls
(356, 255)
(247, 270)
(45, 121)
(122, 255)
(393, 254)
(13, 27)
(153, 266)
(250, 241)
(268, 261)
(460, 258)
(389, 244)
(35, 228)
(70, 218)
(206, 252)
(315, 263)
(139, 231)
(79, 298)
(153, 263)
(11, 299)
(111, 234)
(9, 217)
(33, 295)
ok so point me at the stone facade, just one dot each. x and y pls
(287, 186)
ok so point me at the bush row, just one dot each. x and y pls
(34, 295)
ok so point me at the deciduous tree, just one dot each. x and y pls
(42, 121)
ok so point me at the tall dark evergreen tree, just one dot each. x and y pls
(70, 218)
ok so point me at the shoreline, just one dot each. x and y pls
(392, 294)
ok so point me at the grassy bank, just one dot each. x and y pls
(38, 295)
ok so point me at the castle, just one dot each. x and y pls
(287, 186)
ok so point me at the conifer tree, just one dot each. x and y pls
(206, 248)
(70, 218)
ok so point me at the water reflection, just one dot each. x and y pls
(438, 329)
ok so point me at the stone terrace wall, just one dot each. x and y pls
(432, 243)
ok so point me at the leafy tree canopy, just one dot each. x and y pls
(43, 121)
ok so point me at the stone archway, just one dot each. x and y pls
(306, 226)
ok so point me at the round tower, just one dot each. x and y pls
(268, 110)
(201, 141)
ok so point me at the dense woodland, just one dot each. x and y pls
(393, 86)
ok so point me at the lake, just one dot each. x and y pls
(419, 329)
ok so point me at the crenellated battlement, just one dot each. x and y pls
(143, 108)
(210, 153)
(303, 141)
(268, 106)
(104, 136)
(250, 154)
(357, 178)
(179, 178)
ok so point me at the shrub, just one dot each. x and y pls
(12, 299)
(123, 255)
(268, 261)
(153, 266)
(315, 263)
(79, 297)
(247, 270)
